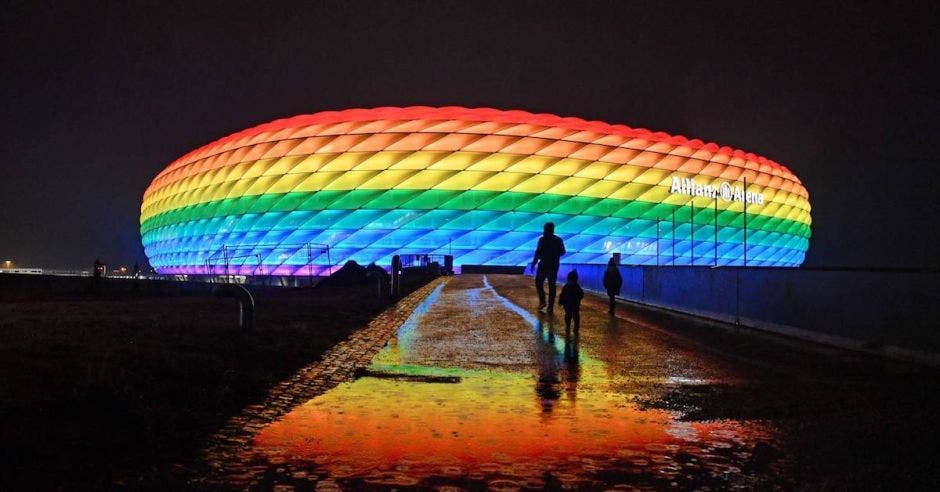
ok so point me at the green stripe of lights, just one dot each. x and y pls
(530, 203)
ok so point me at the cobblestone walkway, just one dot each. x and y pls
(228, 455)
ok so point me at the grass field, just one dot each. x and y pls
(102, 391)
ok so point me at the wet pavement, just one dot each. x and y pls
(477, 390)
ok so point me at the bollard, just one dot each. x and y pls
(379, 282)
(396, 276)
(246, 303)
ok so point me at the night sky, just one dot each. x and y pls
(97, 100)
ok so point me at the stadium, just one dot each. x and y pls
(296, 196)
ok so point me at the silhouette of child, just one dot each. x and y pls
(612, 283)
(570, 299)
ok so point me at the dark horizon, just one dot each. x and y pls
(101, 99)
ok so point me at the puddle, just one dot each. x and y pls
(477, 392)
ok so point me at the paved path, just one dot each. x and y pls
(476, 390)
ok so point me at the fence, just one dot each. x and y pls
(244, 260)
(889, 311)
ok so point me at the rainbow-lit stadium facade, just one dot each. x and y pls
(479, 184)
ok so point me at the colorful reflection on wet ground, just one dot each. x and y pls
(475, 391)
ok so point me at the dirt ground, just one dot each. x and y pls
(102, 391)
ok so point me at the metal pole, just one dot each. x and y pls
(225, 259)
(657, 241)
(310, 264)
(396, 275)
(716, 230)
(673, 238)
(692, 236)
(745, 221)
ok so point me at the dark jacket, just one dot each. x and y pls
(549, 252)
(570, 298)
(613, 281)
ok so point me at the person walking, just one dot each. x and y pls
(613, 281)
(545, 262)
(570, 299)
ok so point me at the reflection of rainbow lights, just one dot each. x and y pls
(373, 423)
(567, 414)
(477, 183)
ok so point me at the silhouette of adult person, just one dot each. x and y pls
(613, 281)
(547, 256)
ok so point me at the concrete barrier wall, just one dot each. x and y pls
(892, 312)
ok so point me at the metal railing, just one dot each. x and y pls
(226, 255)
